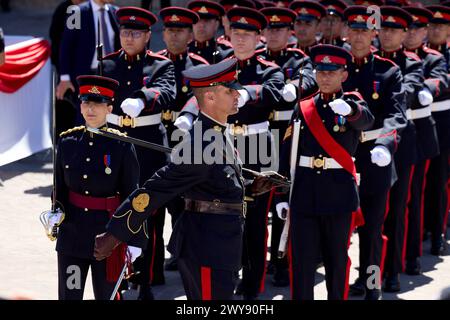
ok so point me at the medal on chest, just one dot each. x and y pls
(107, 162)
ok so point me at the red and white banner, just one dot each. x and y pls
(25, 99)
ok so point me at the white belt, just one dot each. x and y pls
(249, 129)
(170, 115)
(370, 135)
(285, 115)
(418, 113)
(440, 106)
(322, 163)
(134, 122)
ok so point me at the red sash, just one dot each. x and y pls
(326, 141)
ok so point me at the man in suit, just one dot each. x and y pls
(78, 53)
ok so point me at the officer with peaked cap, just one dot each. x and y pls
(177, 34)
(325, 192)
(332, 25)
(379, 81)
(147, 85)
(207, 238)
(94, 175)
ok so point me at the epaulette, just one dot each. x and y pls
(115, 131)
(432, 51)
(259, 51)
(197, 57)
(155, 55)
(412, 55)
(267, 63)
(297, 50)
(354, 93)
(224, 42)
(64, 133)
(113, 54)
(162, 52)
(377, 57)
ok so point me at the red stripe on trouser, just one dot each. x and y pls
(444, 230)
(422, 203)
(349, 261)
(152, 261)
(405, 235)
(291, 273)
(384, 239)
(266, 236)
(205, 274)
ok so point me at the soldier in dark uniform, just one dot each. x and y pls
(332, 25)
(205, 44)
(379, 81)
(436, 196)
(207, 239)
(394, 27)
(93, 176)
(294, 64)
(177, 34)
(325, 186)
(147, 87)
(307, 23)
(435, 74)
(263, 84)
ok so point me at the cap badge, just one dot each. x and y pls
(274, 19)
(390, 19)
(132, 18)
(326, 59)
(203, 10)
(94, 90)
(438, 14)
(174, 18)
(243, 20)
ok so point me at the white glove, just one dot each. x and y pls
(133, 253)
(425, 97)
(243, 97)
(381, 156)
(184, 122)
(132, 107)
(341, 107)
(289, 92)
(282, 209)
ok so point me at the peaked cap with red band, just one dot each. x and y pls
(96, 88)
(136, 18)
(178, 17)
(229, 4)
(329, 58)
(223, 73)
(247, 19)
(421, 16)
(206, 9)
(334, 7)
(395, 17)
(279, 17)
(357, 18)
(308, 10)
(441, 14)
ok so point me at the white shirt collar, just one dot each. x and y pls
(96, 7)
(212, 119)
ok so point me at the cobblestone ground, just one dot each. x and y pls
(28, 259)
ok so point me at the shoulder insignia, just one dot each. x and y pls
(113, 54)
(156, 55)
(392, 63)
(432, 51)
(354, 93)
(198, 58)
(71, 130)
(412, 55)
(267, 63)
(115, 131)
(296, 50)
